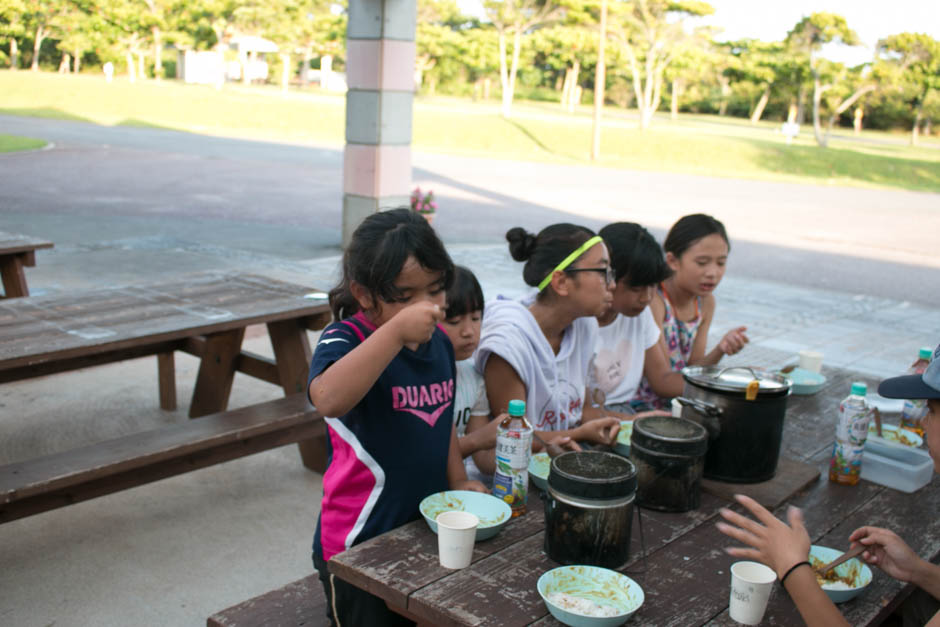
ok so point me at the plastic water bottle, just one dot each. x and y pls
(912, 415)
(851, 433)
(513, 450)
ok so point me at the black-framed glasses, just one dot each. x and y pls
(607, 271)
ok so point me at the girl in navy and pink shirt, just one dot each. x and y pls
(383, 377)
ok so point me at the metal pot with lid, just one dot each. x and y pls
(669, 455)
(743, 410)
(589, 508)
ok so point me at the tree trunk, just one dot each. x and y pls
(157, 53)
(674, 101)
(801, 105)
(817, 99)
(504, 75)
(915, 129)
(77, 61)
(285, 72)
(37, 44)
(516, 46)
(141, 66)
(305, 67)
(600, 82)
(725, 86)
(566, 88)
(761, 104)
(129, 58)
(65, 64)
(574, 93)
(14, 55)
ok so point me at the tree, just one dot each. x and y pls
(12, 27)
(808, 37)
(916, 58)
(650, 31)
(515, 18)
(760, 64)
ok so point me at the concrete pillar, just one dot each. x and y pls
(380, 59)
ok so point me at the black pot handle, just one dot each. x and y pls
(709, 412)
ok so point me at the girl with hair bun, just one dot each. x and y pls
(539, 348)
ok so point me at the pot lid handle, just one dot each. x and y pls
(748, 368)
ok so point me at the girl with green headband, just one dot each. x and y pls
(539, 348)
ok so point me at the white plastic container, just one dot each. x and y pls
(900, 467)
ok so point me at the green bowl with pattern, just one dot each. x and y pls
(622, 445)
(539, 466)
(492, 512)
(589, 596)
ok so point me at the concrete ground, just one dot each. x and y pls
(176, 551)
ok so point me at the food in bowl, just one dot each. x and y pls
(589, 596)
(493, 513)
(843, 582)
(896, 435)
(580, 605)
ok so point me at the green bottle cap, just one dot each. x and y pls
(925, 353)
(517, 408)
(859, 389)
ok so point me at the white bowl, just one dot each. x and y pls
(894, 435)
(853, 573)
(597, 586)
(492, 512)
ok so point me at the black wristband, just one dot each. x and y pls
(792, 568)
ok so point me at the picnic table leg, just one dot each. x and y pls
(14, 279)
(216, 372)
(166, 375)
(292, 354)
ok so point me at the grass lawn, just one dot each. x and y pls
(12, 143)
(695, 144)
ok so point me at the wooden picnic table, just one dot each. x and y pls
(686, 573)
(202, 314)
(17, 251)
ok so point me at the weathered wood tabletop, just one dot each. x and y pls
(17, 251)
(686, 574)
(203, 314)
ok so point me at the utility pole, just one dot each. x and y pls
(599, 82)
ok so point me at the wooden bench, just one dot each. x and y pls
(17, 251)
(53, 481)
(299, 603)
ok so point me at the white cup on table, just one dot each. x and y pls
(811, 360)
(751, 584)
(456, 534)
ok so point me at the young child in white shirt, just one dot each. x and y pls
(628, 340)
(476, 432)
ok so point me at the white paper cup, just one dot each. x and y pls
(811, 360)
(456, 533)
(676, 409)
(751, 584)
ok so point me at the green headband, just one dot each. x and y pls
(569, 259)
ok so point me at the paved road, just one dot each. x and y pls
(146, 187)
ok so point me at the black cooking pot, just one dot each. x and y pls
(589, 508)
(744, 434)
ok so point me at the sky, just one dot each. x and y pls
(770, 20)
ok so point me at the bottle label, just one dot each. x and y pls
(845, 465)
(511, 479)
(913, 412)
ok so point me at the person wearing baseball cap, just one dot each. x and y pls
(784, 547)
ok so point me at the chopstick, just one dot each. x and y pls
(854, 552)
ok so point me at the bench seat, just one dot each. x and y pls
(57, 480)
(302, 602)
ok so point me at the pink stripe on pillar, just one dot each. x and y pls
(377, 171)
(398, 65)
(363, 63)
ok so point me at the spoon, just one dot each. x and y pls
(553, 449)
(854, 552)
(877, 421)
